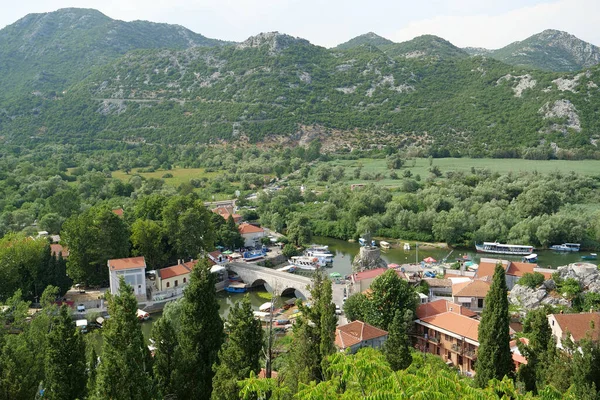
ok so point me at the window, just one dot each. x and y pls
(168, 284)
(438, 350)
(184, 280)
(176, 283)
(479, 303)
(448, 338)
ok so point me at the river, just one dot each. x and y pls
(345, 251)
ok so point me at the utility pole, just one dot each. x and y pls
(269, 351)
(417, 253)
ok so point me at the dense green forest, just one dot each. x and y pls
(275, 88)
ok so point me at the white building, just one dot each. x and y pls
(251, 234)
(133, 270)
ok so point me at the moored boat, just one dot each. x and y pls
(142, 315)
(406, 246)
(591, 256)
(532, 258)
(362, 241)
(236, 287)
(324, 256)
(254, 255)
(288, 268)
(385, 245)
(499, 248)
(566, 247)
(304, 262)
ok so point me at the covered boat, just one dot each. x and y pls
(236, 287)
(499, 248)
(532, 258)
(591, 256)
(566, 247)
(385, 245)
(142, 315)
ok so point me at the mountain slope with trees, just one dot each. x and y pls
(48, 52)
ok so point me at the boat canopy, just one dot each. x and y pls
(265, 306)
(217, 268)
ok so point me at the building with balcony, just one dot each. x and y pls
(450, 331)
(471, 294)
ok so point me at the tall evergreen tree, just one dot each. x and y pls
(165, 355)
(200, 334)
(240, 354)
(397, 346)
(125, 369)
(65, 359)
(494, 359)
(538, 332)
(389, 292)
(314, 335)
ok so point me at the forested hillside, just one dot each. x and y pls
(276, 85)
(46, 53)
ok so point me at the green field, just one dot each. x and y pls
(180, 175)
(503, 165)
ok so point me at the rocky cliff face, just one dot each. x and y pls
(550, 50)
(528, 299)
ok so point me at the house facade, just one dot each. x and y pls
(450, 331)
(174, 276)
(226, 211)
(133, 270)
(574, 327)
(357, 334)
(471, 294)
(513, 270)
(251, 234)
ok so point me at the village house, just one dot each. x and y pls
(133, 270)
(118, 212)
(574, 327)
(514, 270)
(361, 281)
(56, 249)
(450, 331)
(358, 334)
(439, 287)
(226, 211)
(471, 294)
(177, 276)
(251, 234)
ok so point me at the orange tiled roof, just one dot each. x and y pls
(118, 211)
(57, 248)
(225, 212)
(442, 306)
(356, 332)
(248, 228)
(455, 323)
(475, 288)
(373, 273)
(579, 324)
(487, 266)
(175, 270)
(263, 374)
(127, 263)
(436, 282)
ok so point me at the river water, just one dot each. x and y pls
(345, 251)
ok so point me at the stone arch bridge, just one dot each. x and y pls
(283, 282)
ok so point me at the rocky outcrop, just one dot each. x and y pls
(562, 109)
(529, 299)
(274, 40)
(368, 258)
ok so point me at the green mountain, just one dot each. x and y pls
(424, 46)
(50, 51)
(274, 87)
(369, 39)
(419, 47)
(550, 50)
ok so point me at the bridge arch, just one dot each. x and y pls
(285, 283)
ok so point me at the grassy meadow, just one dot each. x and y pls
(421, 167)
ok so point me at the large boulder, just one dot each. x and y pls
(530, 299)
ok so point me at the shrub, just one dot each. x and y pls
(531, 280)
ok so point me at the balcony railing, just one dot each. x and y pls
(434, 339)
(455, 347)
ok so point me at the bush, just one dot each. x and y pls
(289, 250)
(167, 175)
(531, 280)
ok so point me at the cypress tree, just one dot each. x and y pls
(494, 359)
(200, 334)
(125, 370)
(165, 355)
(65, 359)
(397, 347)
(314, 334)
(240, 354)
(540, 338)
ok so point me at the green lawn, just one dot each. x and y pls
(180, 175)
(421, 167)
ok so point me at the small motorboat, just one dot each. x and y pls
(142, 315)
(406, 246)
(532, 258)
(385, 245)
(591, 256)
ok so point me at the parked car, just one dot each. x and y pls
(81, 308)
(338, 310)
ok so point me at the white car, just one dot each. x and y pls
(338, 310)
(81, 308)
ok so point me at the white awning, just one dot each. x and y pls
(265, 306)
(217, 268)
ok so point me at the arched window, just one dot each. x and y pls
(184, 280)
(168, 284)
